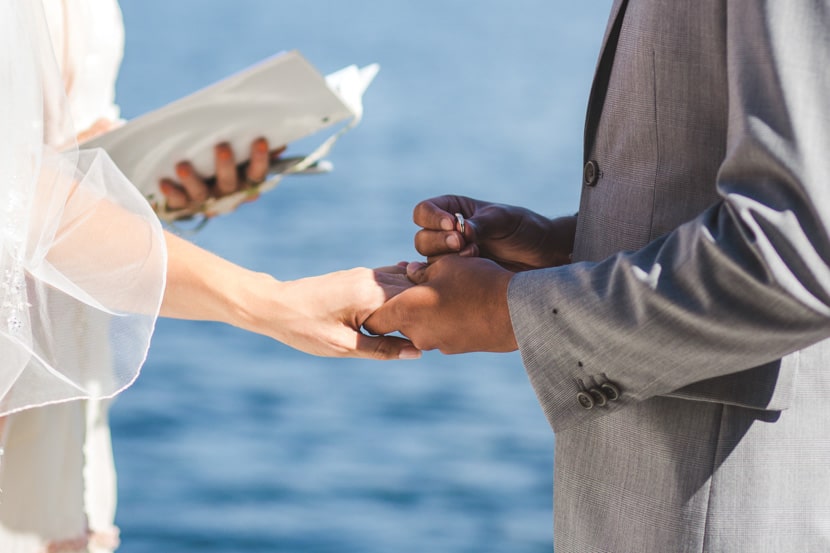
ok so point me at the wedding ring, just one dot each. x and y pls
(462, 224)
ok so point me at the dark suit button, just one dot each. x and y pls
(612, 391)
(590, 175)
(585, 400)
(599, 398)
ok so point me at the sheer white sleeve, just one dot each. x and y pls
(78, 243)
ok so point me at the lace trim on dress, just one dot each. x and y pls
(13, 280)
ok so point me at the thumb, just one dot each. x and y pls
(385, 348)
(384, 320)
(471, 236)
(472, 228)
(496, 222)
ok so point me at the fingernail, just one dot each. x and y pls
(409, 353)
(261, 145)
(165, 187)
(447, 224)
(183, 170)
(223, 153)
(453, 242)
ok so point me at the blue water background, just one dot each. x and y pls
(230, 442)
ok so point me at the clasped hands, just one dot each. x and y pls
(459, 301)
(456, 302)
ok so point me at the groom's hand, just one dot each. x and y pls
(460, 306)
(515, 237)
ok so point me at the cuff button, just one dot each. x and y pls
(585, 401)
(600, 399)
(611, 390)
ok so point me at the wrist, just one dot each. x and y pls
(509, 342)
(254, 305)
(495, 312)
(559, 240)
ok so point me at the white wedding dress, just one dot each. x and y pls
(82, 264)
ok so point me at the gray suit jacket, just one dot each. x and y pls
(700, 288)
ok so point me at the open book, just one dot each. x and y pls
(282, 98)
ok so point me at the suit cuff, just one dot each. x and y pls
(543, 304)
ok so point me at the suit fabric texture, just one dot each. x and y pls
(700, 288)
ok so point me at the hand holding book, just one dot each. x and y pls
(192, 190)
(271, 104)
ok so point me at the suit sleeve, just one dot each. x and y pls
(743, 284)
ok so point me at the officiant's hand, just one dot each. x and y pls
(192, 190)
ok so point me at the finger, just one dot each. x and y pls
(227, 179)
(471, 229)
(470, 250)
(399, 269)
(277, 152)
(411, 313)
(438, 242)
(258, 165)
(430, 214)
(431, 260)
(175, 197)
(385, 348)
(384, 320)
(193, 185)
(392, 285)
(417, 272)
(392, 280)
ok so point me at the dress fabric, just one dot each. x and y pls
(82, 334)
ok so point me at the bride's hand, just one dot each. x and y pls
(323, 315)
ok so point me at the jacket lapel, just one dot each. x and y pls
(602, 74)
(616, 11)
